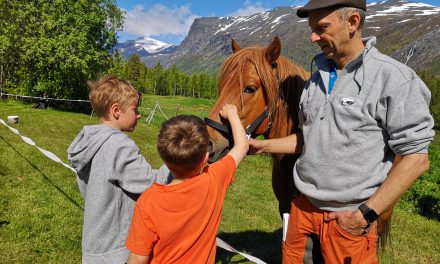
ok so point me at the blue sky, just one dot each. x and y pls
(170, 20)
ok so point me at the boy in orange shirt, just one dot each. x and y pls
(178, 223)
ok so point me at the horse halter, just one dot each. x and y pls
(250, 129)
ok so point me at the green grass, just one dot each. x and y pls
(41, 208)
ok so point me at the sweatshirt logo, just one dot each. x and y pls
(347, 101)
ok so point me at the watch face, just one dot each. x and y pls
(371, 216)
(368, 213)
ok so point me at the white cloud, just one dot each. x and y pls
(158, 20)
(249, 9)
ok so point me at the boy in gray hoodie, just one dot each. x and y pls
(111, 171)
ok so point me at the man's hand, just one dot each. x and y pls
(351, 221)
(255, 146)
(291, 144)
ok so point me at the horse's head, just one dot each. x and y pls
(252, 78)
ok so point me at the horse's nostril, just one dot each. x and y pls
(211, 149)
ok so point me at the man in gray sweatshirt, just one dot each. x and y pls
(111, 171)
(358, 111)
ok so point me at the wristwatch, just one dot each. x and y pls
(369, 214)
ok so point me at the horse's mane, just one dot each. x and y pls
(283, 82)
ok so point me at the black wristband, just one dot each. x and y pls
(369, 214)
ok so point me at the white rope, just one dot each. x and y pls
(44, 98)
(220, 243)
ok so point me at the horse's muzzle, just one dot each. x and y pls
(214, 153)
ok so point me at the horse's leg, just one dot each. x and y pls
(285, 190)
(282, 182)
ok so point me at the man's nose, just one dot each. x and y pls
(314, 37)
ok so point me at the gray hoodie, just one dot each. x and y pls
(112, 173)
(378, 107)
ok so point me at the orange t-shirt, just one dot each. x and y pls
(179, 223)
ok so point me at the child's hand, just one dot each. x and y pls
(241, 145)
(228, 111)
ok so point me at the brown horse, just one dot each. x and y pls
(266, 89)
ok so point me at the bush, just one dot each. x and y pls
(433, 83)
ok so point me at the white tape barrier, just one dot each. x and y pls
(43, 98)
(225, 246)
(50, 155)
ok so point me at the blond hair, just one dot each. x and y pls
(109, 90)
(346, 12)
(183, 143)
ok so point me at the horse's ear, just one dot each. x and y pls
(235, 46)
(273, 50)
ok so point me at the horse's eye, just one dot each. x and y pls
(249, 89)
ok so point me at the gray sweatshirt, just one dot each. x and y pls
(378, 107)
(112, 173)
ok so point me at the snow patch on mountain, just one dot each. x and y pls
(152, 45)
(424, 9)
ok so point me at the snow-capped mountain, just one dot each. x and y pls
(145, 47)
(153, 45)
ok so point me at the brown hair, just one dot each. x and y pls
(183, 142)
(109, 90)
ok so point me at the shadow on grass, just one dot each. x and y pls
(45, 177)
(429, 206)
(262, 245)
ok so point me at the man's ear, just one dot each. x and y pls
(115, 110)
(354, 21)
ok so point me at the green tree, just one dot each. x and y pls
(192, 86)
(117, 65)
(173, 80)
(57, 45)
(134, 72)
(156, 76)
(183, 84)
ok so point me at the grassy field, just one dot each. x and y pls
(41, 207)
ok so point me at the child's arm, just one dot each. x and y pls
(129, 168)
(163, 175)
(137, 259)
(241, 144)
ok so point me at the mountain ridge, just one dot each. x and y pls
(407, 31)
